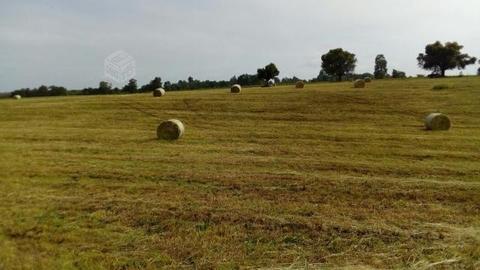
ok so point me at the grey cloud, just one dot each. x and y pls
(66, 42)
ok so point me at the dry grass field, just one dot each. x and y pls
(326, 176)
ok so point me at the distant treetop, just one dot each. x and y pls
(268, 73)
(439, 58)
(338, 62)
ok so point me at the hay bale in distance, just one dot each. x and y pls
(160, 92)
(17, 97)
(368, 80)
(437, 121)
(300, 85)
(236, 89)
(172, 129)
(271, 83)
(359, 84)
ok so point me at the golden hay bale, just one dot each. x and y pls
(236, 89)
(300, 85)
(170, 130)
(359, 84)
(17, 97)
(437, 121)
(368, 79)
(160, 92)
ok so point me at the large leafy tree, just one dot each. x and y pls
(397, 74)
(338, 62)
(152, 85)
(267, 73)
(439, 57)
(248, 79)
(104, 87)
(380, 67)
(131, 87)
(57, 91)
(43, 91)
(155, 83)
(323, 76)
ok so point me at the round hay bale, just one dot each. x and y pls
(170, 130)
(437, 121)
(236, 89)
(300, 85)
(160, 92)
(359, 84)
(271, 83)
(17, 97)
(368, 80)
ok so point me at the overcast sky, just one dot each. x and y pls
(66, 42)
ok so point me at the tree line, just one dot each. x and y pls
(337, 65)
(42, 91)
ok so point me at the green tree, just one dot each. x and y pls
(338, 62)
(193, 84)
(248, 79)
(323, 76)
(381, 69)
(396, 74)
(57, 91)
(156, 83)
(42, 91)
(104, 87)
(167, 85)
(439, 58)
(268, 73)
(131, 87)
(152, 85)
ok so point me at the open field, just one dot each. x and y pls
(324, 176)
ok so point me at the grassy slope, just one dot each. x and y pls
(326, 175)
